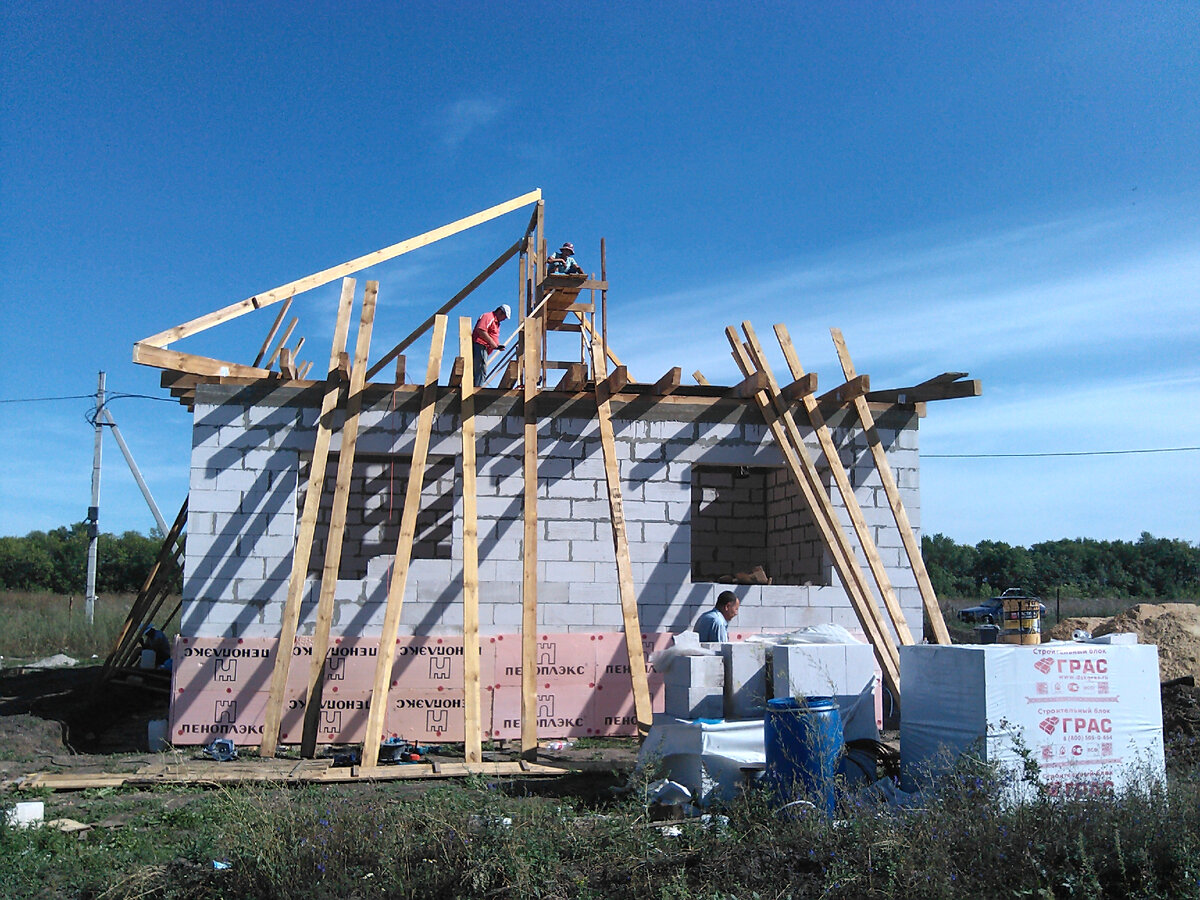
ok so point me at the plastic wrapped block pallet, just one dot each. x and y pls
(841, 671)
(1090, 715)
(746, 693)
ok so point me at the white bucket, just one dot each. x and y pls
(26, 813)
(156, 735)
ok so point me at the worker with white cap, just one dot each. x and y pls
(486, 338)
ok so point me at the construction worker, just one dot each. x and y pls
(486, 338)
(714, 625)
(563, 262)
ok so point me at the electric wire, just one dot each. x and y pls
(1057, 453)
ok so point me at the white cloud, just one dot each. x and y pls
(465, 117)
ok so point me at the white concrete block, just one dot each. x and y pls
(692, 703)
(805, 670)
(746, 687)
(696, 672)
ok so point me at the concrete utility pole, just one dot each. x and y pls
(93, 519)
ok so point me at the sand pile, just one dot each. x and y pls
(1174, 627)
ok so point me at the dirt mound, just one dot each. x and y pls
(1174, 627)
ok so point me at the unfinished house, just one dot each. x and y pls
(448, 562)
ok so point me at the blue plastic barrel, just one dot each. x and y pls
(803, 747)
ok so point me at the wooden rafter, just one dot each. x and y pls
(308, 527)
(929, 601)
(404, 546)
(337, 525)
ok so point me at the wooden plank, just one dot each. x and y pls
(308, 527)
(300, 285)
(400, 366)
(834, 461)
(343, 367)
(805, 475)
(532, 365)
(629, 610)
(456, 372)
(473, 740)
(923, 393)
(305, 369)
(929, 601)
(337, 523)
(800, 388)
(751, 385)
(568, 327)
(146, 355)
(844, 393)
(271, 334)
(608, 351)
(700, 379)
(287, 366)
(617, 381)
(283, 341)
(668, 383)
(446, 307)
(404, 546)
(573, 379)
(509, 378)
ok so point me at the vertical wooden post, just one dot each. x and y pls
(825, 439)
(308, 526)
(532, 338)
(629, 611)
(404, 545)
(337, 525)
(603, 303)
(473, 742)
(933, 610)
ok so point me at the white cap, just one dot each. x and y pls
(507, 311)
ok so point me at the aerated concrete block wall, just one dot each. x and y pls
(251, 451)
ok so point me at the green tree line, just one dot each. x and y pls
(1149, 567)
(56, 560)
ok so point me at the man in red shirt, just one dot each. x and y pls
(486, 338)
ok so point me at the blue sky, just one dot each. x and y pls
(1006, 189)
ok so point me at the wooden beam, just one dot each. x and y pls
(446, 307)
(804, 473)
(509, 378)
(617, 381)
(456, 372)
(287, 367)
(668, 383)
(308, 527)
(928, 391)
(844, 393)
(337, 524)
(404, 546)
(305, 369)
(473, 740)
(146, 355)
(616, 506)
(573, 379)
(300, 285)
(283, 341)
(833, 459)
(750, 385)
(344, 367)
(532, 349)
(608, 351)
(400, 366)
(929, 601)
(800, 388)
(700, 379)
(274, 328)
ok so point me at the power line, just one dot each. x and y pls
(46, 399)
(1064, 453)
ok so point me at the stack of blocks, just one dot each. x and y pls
(692, 687)
(738, 683)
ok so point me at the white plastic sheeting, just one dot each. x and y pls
(1089, 714)
(705, 757)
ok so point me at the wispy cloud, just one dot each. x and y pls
(465, 117)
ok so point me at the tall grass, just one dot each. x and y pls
(41, 624)
(480, 839)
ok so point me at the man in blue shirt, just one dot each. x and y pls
(713, 625)
(563, 262)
